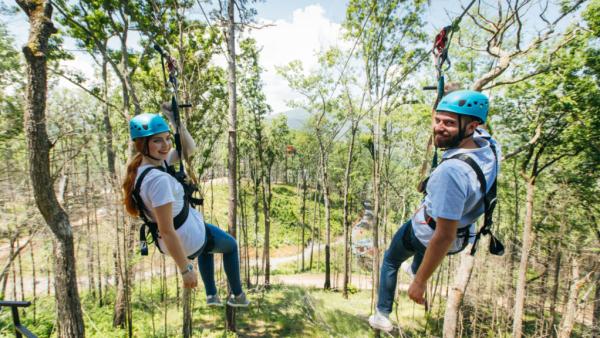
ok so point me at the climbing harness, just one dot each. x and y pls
(178, 220)
(489, 204)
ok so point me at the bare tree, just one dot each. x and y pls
(70, 323)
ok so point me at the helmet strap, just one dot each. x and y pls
(146, 151)
(456, 141)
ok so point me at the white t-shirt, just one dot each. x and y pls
(453, 191)
(160, 188)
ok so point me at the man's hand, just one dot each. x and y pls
(450, 87)
(416, 292)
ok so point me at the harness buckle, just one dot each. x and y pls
(144, 248)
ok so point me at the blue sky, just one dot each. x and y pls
(297, 29)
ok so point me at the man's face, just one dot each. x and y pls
(446, 130)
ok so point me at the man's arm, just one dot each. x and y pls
(443, 237)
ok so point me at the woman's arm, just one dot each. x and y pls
(187, 142)
(163, 215)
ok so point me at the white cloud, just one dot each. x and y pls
(309, 32)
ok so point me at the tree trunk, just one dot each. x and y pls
(463, 275)
(325, 186)
(70, 323)
(108, 137)
(303, 212)
(266, 196)
(556, 275)
(256, 181)
(90, 243)
(596, 311)
(346, 223)
(232, 142)
(187, 312)
(522, 273)
(572, 308)
(34, 275)
(375, 273)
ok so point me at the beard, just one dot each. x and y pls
(446, 141)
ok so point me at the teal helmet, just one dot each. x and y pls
(147, 124)
(465, 102)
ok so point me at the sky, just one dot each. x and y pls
(297, 30)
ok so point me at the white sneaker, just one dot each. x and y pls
(381, 322)
(407, 268)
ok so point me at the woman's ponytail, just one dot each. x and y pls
(129, 184)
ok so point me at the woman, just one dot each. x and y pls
(162, 199)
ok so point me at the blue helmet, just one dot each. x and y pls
(465, 102)
(147, 124)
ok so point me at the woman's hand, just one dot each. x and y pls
(165, 107)
(190, 279)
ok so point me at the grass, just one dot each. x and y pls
(280, 311)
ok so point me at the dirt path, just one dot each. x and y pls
(361, 282)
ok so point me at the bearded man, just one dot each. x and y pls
(445, 221)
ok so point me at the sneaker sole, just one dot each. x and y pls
(379, 327)
(238, 305)
(214, 305)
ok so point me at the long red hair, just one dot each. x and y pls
(129, 181)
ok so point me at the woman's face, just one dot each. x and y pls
(159, 145)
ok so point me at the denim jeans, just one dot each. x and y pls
(225, 244)
(403, 246)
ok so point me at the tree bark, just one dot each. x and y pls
(522, 273)
(457, 292)
(303, 212)
(325, 186)
(108, 137)
(68, 306)
(346, 223)
(266, 197)
(596, 312)
(232, 142)
(572, 307)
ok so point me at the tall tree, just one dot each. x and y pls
(318, 89)
(389, 33)
(70, 316)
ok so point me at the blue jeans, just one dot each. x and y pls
(403, 246)
(225, 244)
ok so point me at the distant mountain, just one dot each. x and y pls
(296, 118)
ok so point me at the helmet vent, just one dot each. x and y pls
(462, 103)
(145, 126)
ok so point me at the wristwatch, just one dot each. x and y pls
(188, 268)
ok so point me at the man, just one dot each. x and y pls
(444, 222)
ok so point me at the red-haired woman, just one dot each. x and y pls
(155, 195)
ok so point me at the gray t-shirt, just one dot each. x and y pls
(453, 191)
